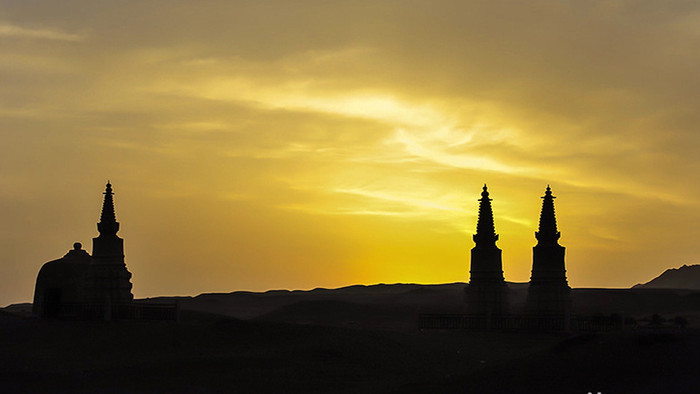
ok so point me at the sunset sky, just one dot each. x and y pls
(259, 145)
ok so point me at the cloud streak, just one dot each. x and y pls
(9, 30)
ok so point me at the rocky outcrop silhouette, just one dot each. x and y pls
(685, 277)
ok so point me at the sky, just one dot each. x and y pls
(259, 145)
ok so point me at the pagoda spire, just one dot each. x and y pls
(548, 234)
(110, 280)
(485, 229)
(108, 224)
(549, 293)
(487, 293)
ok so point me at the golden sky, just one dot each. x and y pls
(298, 144)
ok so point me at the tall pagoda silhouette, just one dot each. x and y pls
(84, 286)
(110, 279)
(487, 292)
(548, 293)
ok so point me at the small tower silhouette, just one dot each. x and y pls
(110, 279)
(487, 292)
(548, 293)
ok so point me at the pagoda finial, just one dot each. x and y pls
(485, 229)
(108, 222)
(548, 233)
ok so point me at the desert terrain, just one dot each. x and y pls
(354, 339)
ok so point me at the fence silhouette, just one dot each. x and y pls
(518, 322)
(130, 311)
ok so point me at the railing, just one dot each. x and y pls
(130, 311)
(517, 323)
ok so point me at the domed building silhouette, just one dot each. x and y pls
(61, 282)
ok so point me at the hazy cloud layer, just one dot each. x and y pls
(269, 144)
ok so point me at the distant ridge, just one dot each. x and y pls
(397, 306)
(685, 277)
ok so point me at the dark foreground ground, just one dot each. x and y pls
(358, 339)
(212, 354)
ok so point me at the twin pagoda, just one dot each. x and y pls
(548, 293)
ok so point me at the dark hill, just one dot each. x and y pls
(396, 307)
(685, 277)
(250, 305)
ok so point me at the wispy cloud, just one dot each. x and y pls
(438, 153)
(12, 30)
(405, 200)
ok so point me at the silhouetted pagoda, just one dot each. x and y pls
(548, 305)
(110, 280)
(548, 293)
(83, 286)
(487, 292)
